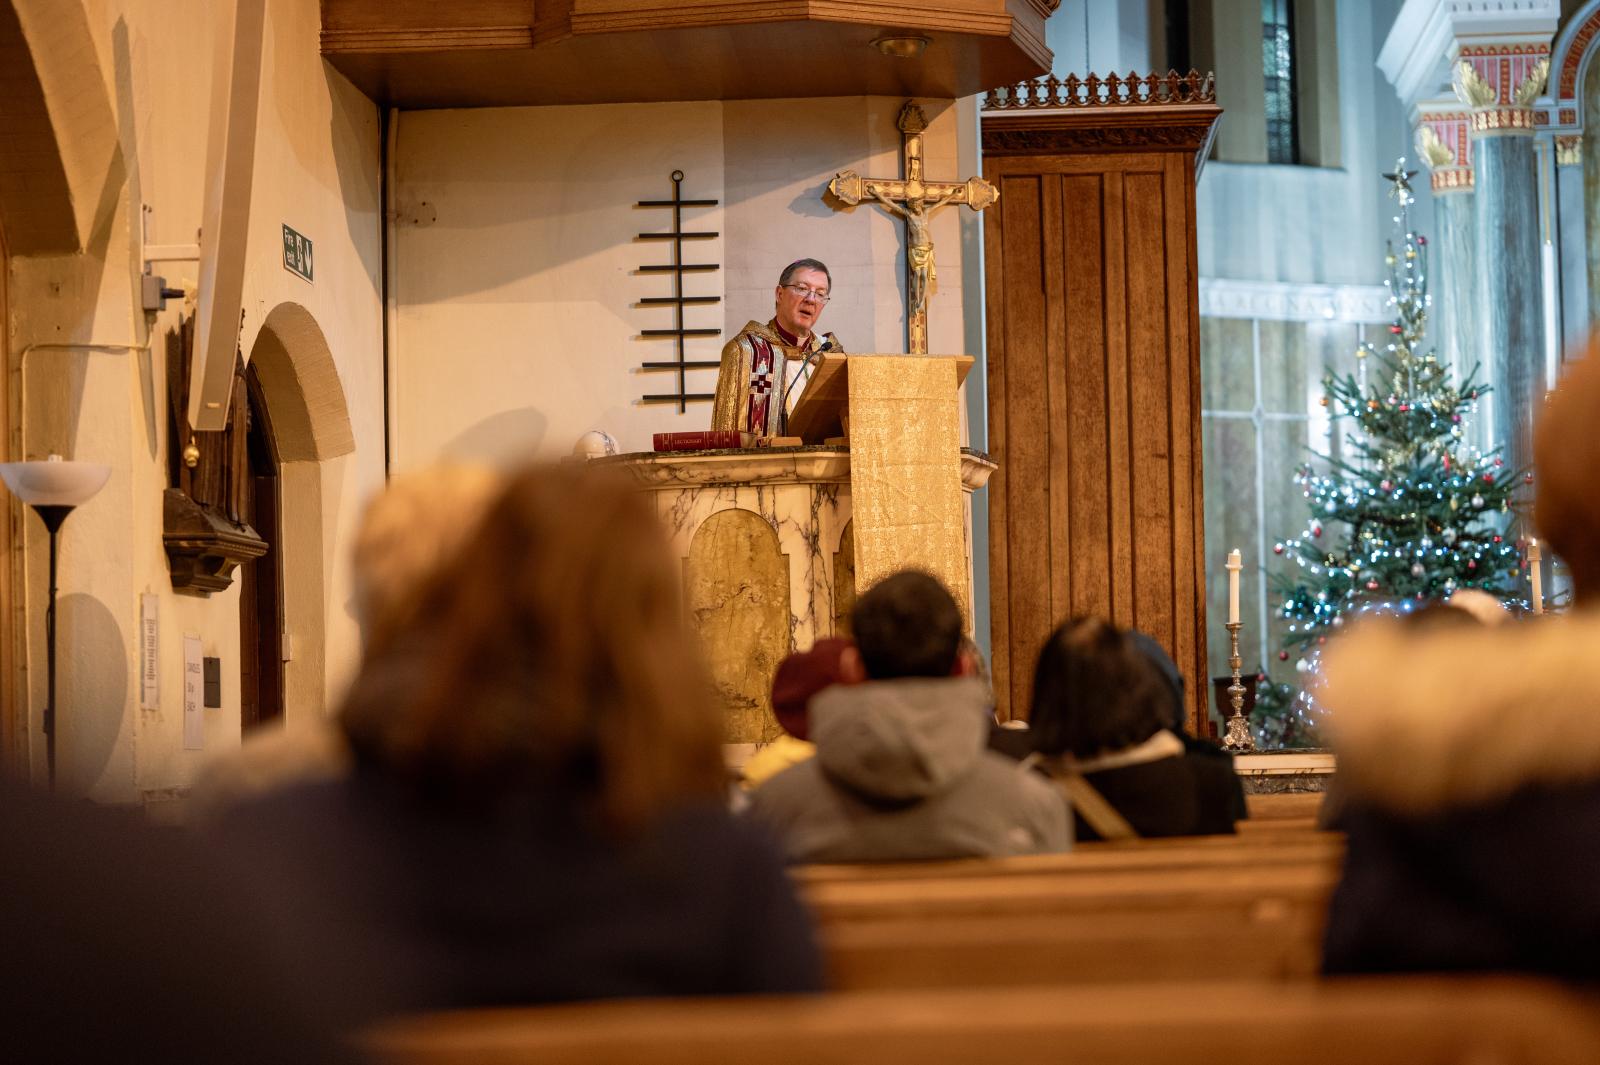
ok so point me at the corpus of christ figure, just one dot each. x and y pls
(914, 200)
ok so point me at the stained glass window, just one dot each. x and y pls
(1277, 63)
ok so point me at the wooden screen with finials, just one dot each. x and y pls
(1093, 379)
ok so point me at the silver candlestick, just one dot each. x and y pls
(1238, 738)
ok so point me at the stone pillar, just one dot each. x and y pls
(1499, 82)
(1578, 313)
(1444, 144)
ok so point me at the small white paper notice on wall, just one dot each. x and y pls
(149, 690)
(194, 686)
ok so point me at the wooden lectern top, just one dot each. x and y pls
(818, 413)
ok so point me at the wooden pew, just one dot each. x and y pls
(1404, 1021)
(1181, 853)
(1013, 950)
(1153, 911)
(1226, 889)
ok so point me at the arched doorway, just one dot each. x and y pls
(298, 412)
(261, 579)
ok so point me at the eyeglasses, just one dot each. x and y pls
(808, 293)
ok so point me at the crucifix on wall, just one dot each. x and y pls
(915, 200)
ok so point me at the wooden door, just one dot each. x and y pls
(261, 580)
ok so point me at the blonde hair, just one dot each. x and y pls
(551, 657)
(408, 531)
(1565, 449)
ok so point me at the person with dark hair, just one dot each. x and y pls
(1102, 722)
(536, 810)
(1193, 746)
(902, 771)
(765, 367)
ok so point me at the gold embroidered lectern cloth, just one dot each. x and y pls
(905, 470)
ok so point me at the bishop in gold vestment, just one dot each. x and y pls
(764, 367)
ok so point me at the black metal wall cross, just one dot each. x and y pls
(678, 300)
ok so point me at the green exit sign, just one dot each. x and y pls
(297, 253)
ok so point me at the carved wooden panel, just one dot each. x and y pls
(1094, 397)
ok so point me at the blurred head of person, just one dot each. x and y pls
(550, 659)
(1095, 690)
(802, 675)
(1566, 452)
(412, 528)
(1151, 648)
(906, 625)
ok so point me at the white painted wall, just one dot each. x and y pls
(1317, 225)
(317, 169)
(517, 318)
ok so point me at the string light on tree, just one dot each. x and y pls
(1411, 515)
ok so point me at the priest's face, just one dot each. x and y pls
(800, 302)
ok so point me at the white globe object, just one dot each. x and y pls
(595, 444)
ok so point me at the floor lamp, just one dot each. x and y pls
(53, 488)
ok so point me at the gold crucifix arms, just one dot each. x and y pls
(915, 200)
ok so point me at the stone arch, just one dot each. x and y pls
(61, 135)
(736, 585)
(1571, 58)
(305, 407)
(310, 419)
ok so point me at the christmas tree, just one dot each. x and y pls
(1412, 515)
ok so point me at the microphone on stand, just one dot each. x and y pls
(829, 343)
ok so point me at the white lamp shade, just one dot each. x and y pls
(56, 482)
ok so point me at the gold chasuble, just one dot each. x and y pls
(763, 372)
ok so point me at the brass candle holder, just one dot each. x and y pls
(1238, 738)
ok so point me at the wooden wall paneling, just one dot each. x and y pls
(1115, 461)
(1094, 379)
(1085, 426)
(1148, 604)
(1025, 468)
(1056, 479)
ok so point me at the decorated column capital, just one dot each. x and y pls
(1569, 149)
(1500, 82)
(1444, 143)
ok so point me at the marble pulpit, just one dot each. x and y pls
(767, 540)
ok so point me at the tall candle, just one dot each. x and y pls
(1235, 564)
(1535, 556)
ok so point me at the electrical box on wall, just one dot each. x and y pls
(213, 683)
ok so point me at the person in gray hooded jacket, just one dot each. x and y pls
(902, 770)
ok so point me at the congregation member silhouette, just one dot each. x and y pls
(408, 530)
(1469, 758)
(797, 681)
(902, 770)
(536, 807)
(1102, 725)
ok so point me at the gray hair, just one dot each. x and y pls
(804, 264)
